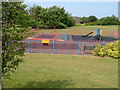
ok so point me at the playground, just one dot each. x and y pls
(62, 53)
(64, 71)
(47, 39)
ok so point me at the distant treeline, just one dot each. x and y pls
(92, 20)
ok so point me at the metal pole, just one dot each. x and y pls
(28, 45)
(61, 36)
(65, 36)
(79, 47)
(46, 35)
(53, 47)
(103, 43)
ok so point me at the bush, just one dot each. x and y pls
(90, 24)
(97, 50)
(87, 24)
(61, 25)
(110, 49)
(78, 24)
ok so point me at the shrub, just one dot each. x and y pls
(97, 50)
(87, 24)
(102, 52)
(90, 24)
(110, 49)
(78, 24)
(61, 25)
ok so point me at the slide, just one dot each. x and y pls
(87, 34)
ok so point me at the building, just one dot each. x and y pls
(77, 19)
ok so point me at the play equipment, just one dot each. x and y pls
(52, 28)
(116, 34)
(45, 29)
(97, 34)
(45, 41)
(46, 32)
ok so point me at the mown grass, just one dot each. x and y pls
(82, 30)
(64, 71)
(104, 28)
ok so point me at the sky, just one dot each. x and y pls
(80, 9)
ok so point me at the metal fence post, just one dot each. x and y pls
(60, 36)
(28, 45)
(103, 43)
(65, 36)
(79, 47)
(80, 32)
(46, 35)
(53, 47)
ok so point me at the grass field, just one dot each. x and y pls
(104, 28)
(64, 71)
(81, 30)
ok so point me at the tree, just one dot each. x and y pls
(13, 14)
(84, 20)
(52, 16)
(113, 20)
(92, 18)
